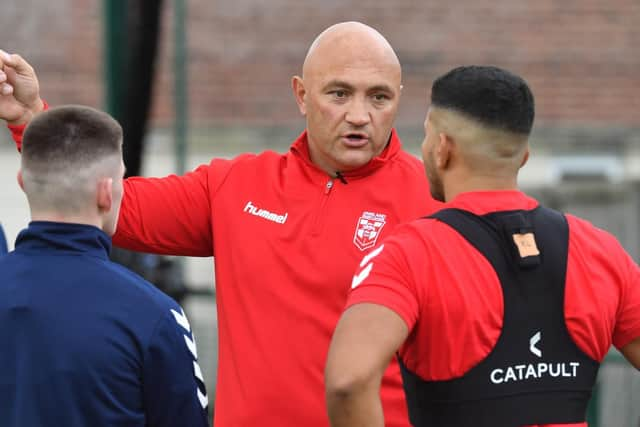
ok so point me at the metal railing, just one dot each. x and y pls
(616, 398)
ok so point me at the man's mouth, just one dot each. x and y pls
(355, 139)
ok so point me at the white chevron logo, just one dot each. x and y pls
(182, 320)
(191, 345)
(197, 371)
(371, 255)
(532, 344)
(359, 278)
(204, 400)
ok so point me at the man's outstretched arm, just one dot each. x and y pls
(19, 90)
(365, 340)
(168, 216)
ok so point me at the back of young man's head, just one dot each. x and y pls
(477, 130)
(72, 166)
(488, 111)
(493, 97)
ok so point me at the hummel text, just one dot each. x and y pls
(254, 210)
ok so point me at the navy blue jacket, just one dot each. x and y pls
(3, 241)
(85, 342)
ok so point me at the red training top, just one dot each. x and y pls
(286, 238)
(450, 297)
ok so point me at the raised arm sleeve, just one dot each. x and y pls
(18, 130)
(174, 391)
(170, 215)
(384, 278)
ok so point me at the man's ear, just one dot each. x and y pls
(444, 151)
(526, 157)
(299, 92)
(20, 181)
(104, 194)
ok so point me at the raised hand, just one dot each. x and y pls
(19, 90)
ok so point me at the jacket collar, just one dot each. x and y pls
(300, 148)
(70, 238)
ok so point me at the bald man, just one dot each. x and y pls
(499, 310)
(286, 230)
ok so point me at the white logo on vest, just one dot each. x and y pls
(532, 371)
(532, 344)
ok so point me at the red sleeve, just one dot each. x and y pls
(602, 300)
(18, 130)
(170, 215)
(628, 317)
(384, 278)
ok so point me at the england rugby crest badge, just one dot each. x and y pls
(368, 229)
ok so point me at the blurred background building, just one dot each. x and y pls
(219, 85)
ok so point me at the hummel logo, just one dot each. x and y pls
(254, 210)
(190, 341)
(532, 344)
(359, 278)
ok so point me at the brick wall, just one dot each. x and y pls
(581, 57)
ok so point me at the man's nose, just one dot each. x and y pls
(358, 113)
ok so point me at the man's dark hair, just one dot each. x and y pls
(71, 134)
(64, 150)
(489, 95)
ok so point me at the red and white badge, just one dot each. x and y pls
(368, 229)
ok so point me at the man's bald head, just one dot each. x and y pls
(349, 40)
(349, 93)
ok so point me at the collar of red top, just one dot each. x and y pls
(301, 148)
(484, 202)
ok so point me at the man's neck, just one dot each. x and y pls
(453, 189)
(66, 218)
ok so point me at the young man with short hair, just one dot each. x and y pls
(85, 342)
(499, 309)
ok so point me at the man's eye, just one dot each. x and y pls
(380, 97)
(339, 93)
